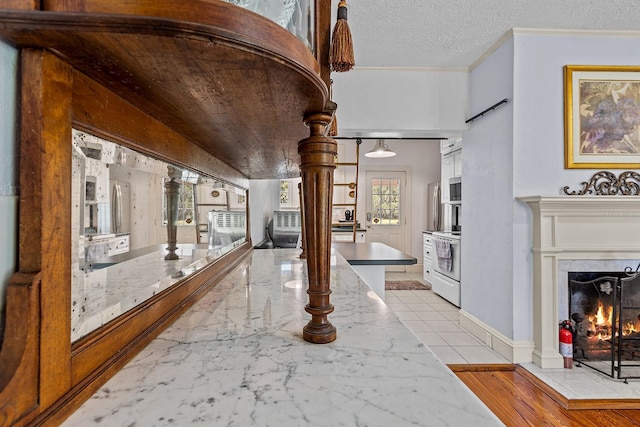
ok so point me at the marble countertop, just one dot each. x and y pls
(237, 358)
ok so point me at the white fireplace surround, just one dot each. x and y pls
(604, 228)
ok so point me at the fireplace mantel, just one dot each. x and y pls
(569, 228)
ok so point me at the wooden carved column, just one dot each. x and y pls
(172, 190)
(303, 254)
(317, 163)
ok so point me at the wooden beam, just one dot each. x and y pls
(45, 201)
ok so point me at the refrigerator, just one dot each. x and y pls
(120, 207)
(434, 207)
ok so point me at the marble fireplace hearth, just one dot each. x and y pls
(574, 234)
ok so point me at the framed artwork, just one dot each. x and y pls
(602, 117)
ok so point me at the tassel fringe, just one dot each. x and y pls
(341, 57)
(333, 127)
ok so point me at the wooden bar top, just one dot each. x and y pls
(373, 253)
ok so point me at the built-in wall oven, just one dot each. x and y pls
(446, 266)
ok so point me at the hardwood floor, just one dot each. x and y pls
(519, 399)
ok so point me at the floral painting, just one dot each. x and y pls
(602, 117)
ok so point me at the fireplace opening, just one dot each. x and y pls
(605, 316)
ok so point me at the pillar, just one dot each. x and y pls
(317, 163)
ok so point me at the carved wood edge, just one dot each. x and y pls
(606, 183)
(219, 20)
(19, 356)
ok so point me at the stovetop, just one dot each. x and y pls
(450, 234)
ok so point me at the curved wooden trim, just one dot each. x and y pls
(20, 349)
(220, 18)
(262, 37)
(243, 100)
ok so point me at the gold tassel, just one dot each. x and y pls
(333, 127)
(341, 55)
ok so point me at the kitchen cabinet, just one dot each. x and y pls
(457, 163)
(451, 167)
(447, 171)
(347, 236)
(118, 244)
(427, 239)
(450, 145)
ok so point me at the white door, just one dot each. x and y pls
(386, 218)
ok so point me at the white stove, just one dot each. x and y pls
(446, 266)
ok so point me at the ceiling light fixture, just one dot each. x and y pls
(380, 150)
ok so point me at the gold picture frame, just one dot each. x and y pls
(602, 117)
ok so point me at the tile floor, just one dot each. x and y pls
(435, 321)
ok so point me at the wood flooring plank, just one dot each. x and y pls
(517, 400)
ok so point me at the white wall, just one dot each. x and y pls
(422, 159)
(539, 129)
(8, 168)
(518, 150)
(428, 102)
(264, 198)
(487, 176)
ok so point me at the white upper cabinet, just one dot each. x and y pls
(457, 163)
(451, 166)
(450, 145)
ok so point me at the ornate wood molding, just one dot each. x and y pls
(605, 183)
(251, 120)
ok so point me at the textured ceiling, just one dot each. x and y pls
(455, 33)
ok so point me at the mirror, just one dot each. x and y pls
(139, 225)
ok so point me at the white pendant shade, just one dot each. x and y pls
(380, 150)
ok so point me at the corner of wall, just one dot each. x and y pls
(513, 351)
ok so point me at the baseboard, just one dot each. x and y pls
(513, 351)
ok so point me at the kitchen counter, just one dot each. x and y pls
(368, 260)
(374, 253)
(237, 358)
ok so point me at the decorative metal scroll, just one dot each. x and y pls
(605, 183)
(630, 271)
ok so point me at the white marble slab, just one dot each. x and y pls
(582, 382)
(237, 358)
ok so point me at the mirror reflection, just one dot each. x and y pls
(139, 225)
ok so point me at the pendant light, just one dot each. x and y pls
(380, 150)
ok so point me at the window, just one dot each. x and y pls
(289, 195)
(385, 201)
(284, 192)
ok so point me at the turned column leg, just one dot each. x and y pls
(303, 254)
(171, 189)
(317, 163)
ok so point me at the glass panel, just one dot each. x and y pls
(385, 200)
(121, 201)
(297, 16)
